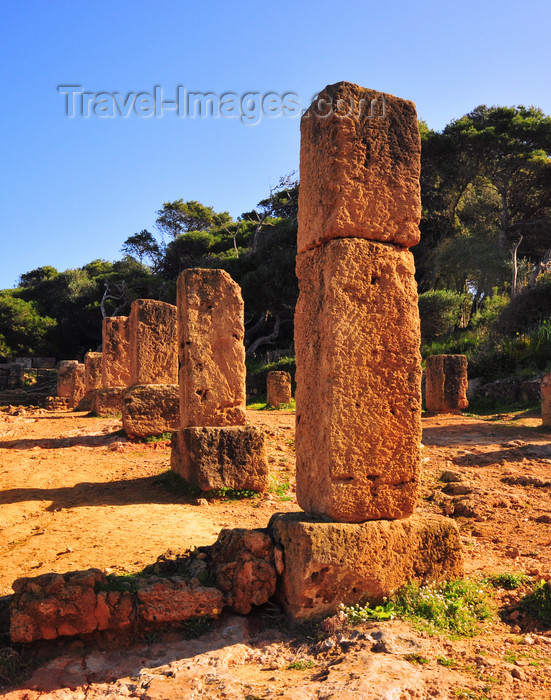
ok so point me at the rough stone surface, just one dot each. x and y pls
(212, 354)
(56, 605)
(446, 383)
(92, 366)
(151, 409)
(278, 388)
(174, 599)
(331, 563)
(546, 401)
(115, 367)
(359, 168)
(92, 379)
(108, 402)
(65, 378)
(153, 343)
(358, 423)
(71, 382)
(213, 458)
(244, 566)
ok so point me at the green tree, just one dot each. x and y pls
(142, 246)
(178, 217)
(23, 330)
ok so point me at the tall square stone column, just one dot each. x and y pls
(446, 383)
(357, 338)
(115, 366)
(150, 406)
(212, 354)
(357, 332)
(153, 342)
(214, 448)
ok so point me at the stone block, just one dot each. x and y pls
(327, 564)
(56, 605)
(212, 458)
(244, 565)
(278, 388)
(71, 382)
(167, 600)
(446, 383)
(65, 378)
(153, 343)
(92, 366)
(212, 354)
(359, 168)
(546, 401)
(115, 368)
(108, 402)
(358, 423)
(151, 409)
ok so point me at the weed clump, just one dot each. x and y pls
(538, 603)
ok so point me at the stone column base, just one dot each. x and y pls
(328, 563)
(151, 409)
(108, 402)
(212, 458)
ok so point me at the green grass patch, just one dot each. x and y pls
(444, 661)
(279, 488)
(456, 607)
(508, 580)
(538, 603)
(228, 494)
(263, 406)
(162, 437)
(416, 659)
(356, 614)
(301, 665)
(174, 483)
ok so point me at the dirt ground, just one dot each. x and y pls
(76, 494)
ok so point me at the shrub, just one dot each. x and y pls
(440, 311)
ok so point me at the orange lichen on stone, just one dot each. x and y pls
(359, 168)
(358, 425)
(115, 363)
(153, 342)
(212, 354)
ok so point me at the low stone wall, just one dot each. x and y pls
(238, 571)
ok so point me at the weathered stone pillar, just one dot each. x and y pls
(115, 366)
(213, 448)
(212, 355)
(357, 338)
(357, 332)
(93, 371)
(153, 342)
(278, 389)
(546, 401)
(71, 382)
(446, 383)
(92, 379)
(150, 406)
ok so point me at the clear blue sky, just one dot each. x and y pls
(74, 189)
